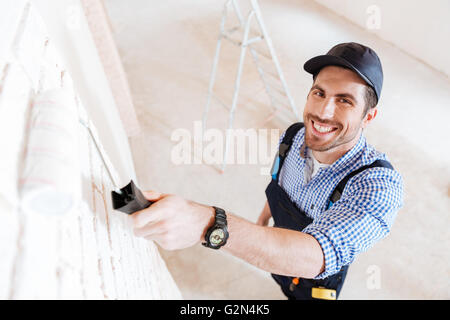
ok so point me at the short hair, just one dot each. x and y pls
(370, 97)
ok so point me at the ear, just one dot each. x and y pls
(371, 114)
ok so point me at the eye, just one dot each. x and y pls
(346, 101)
(318, 93)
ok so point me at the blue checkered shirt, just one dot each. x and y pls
(363, 215)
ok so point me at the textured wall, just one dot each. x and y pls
(69, 31)
(89, 253)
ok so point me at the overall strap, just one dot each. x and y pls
(283, 150)
(337, 193)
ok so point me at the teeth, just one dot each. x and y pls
(322, 129)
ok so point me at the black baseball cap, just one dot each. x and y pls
(357, 57)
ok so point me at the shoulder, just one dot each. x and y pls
(377, 192)
(294, 127)
(298, 138)
(375, 179)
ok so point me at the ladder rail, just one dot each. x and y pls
(247, 42)
(215, 63)
(236, 90)
(260, 20)
(263, 79)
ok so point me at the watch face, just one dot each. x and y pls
(216, 237)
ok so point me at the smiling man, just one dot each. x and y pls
(331, 196)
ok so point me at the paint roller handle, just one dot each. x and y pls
(130, 199)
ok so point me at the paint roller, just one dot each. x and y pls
(50, 182)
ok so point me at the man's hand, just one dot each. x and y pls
(265, 216)
(176, 223)
(171, 221)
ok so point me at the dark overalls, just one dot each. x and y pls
(287, 215)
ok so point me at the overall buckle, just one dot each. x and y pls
(323, 293)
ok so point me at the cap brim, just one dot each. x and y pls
(314, 65)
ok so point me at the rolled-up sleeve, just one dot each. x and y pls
(362, 216)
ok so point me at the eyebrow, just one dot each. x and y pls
(340, 95)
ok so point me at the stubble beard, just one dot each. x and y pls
(336, 142)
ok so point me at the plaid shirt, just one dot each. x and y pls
(363, 215)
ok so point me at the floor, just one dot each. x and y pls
(167, 49)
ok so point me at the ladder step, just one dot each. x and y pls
(253, 40)
(238, 42)
(274, 82)
(234, 40)
(220, 101)
(259, 52)
(255, 32)
(281, 103)
(274, 76)
(277, 89)
(263, 70)
(236, 37)
(252, 32)
(232, 30)
(268, 68)
(278, 94)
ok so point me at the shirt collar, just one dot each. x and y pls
(342, 161)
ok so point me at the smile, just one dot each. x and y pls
(322, 129)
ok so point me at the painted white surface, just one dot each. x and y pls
(69, 31)
(420, 28)
(90, 252)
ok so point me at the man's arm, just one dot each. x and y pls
(176, 223)
(276, 250)
(362, 216)
(265, 216)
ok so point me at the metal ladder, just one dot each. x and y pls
(240, 36)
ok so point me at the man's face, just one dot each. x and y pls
(336, 104)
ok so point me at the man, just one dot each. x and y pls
(331, 196)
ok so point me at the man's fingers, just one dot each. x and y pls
(153, 195)
(144, 217)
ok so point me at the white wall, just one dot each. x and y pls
(69, 30)
(421, 28)
(88, 252)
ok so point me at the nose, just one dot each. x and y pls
(326, 109)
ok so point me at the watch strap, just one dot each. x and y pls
(220, 216)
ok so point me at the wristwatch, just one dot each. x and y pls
(217, 235)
